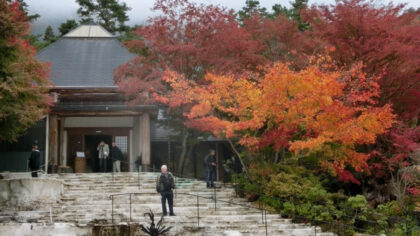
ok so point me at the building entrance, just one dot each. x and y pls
(91, 152)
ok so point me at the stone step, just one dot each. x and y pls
(86, 199)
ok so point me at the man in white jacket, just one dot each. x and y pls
(103, 153)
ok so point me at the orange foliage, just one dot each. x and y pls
(308, 112)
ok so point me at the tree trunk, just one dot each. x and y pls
(182, 157)
(276, 160)
(240, 159)
(187, 156)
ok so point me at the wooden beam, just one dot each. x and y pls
(145, 138)
(97, 113)
(103, 97)
(70, 90)
(53, 142)
(61, 156)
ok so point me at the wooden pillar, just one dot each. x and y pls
(145, 139)
(62, 139)
(53, 142)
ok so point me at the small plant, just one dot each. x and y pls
(155, 230)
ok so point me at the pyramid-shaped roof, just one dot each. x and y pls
(85, 57)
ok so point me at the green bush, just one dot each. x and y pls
(295, 192)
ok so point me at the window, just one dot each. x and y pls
(122, 143)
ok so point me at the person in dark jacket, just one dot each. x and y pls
(34, 161)
(117, 157)
(210, 164)
(164, 185)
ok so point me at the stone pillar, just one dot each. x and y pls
(53, 142)
(145, 139)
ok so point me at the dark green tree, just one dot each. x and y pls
(23, 6)
(49, 35)
(67, 26)
(293, 13)
(251, 7)
(110, 14)
(34, 40)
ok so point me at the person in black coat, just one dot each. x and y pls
(117, 157)
(164, 185)
(210, 164)
(34, 161)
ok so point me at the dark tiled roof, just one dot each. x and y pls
(84, 62)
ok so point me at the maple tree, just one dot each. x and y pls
(387, 40)
(384, 37)
(191, 39)
(308, 112)
(23, 80)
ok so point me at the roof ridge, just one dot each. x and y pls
(89, 31)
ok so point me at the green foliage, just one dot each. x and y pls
(23, 6)
(110, 14)
(49, 35)
(36, 41)
(296, 192)
(67, 26)
(23, 80)
(253, 7)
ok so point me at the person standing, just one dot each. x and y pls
(34, 161)
(210, 164)
(117, 157)
(103, 153)
(164, 185)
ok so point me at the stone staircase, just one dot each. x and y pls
(86, 202)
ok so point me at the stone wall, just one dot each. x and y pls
(69, 229)
(28, 229)
(27, 194)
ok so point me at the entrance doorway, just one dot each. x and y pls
(91, 152)
(87, 139)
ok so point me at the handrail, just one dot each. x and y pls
(270, 197)
(247, 205)
(197, 196)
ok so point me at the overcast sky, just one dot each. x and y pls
(55, 12)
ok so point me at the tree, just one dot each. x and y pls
(23, 6)
(23, 80)
(192, 40)
(309, 112)
(253, 8)
(111, 14)
(49, 35)
(67, 26)
(384, 38)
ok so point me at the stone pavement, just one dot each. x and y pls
(86, 203)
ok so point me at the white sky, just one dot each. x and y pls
(54, 12)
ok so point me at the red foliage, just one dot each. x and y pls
(189, 39)
(386, 40)
(346, 176)
(24, 88)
